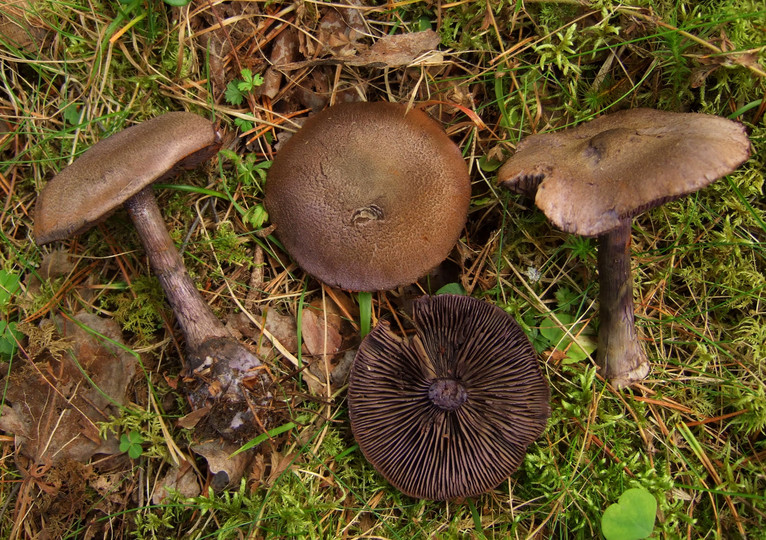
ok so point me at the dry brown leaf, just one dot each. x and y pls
(51, 407)
(399, 49)
(279, 464)
(284, 51)
(192, 419)
(284, 328)
(226, 469)
(389, 51)
(179, 478)
(20, 26)
(321, 331)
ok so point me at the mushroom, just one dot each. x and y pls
(119, 170)
(448, 412)
(593, 179)
(368, 196)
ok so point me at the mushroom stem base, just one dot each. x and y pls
(620, 354)
(225, 377)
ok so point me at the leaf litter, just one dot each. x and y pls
(318, 54)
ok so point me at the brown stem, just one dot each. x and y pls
(620, 355)
(197, 321)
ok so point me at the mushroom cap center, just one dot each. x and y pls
(447, 394)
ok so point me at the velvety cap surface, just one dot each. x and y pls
(587, 179)
(118, 167)
(449, 411)
(368, 196)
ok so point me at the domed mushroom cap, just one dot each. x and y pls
(368, 196)
(591, 177)
(449, 412)
(118, 167)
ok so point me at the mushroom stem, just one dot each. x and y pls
(620, 355)
(197, 321)
(221, 369)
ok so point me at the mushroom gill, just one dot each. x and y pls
(449, 411)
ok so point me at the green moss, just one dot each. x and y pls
(139, 310)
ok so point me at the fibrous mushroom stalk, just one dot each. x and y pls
(221, 363)
(197, 322)
(117, 171)
(620, 355)
(593, 179)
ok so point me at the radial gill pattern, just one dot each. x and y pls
(448, 412)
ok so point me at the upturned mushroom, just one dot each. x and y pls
(593, 179)
(447, 412)
(119, 170)
(368, 196)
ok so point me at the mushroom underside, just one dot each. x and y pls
(449, 412)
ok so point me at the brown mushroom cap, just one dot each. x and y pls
(615, 167)
(118, 167)
(449, 412)
(368, 196)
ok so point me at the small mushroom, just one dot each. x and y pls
(448, 412)
(593, 179)
(368, 196)
(119, 170)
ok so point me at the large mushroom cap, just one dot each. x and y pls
(450, 411)
(595, 175)
(118, 167)
(368, 196)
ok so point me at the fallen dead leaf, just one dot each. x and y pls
(193, 418)
(399, 49)
(52, 406)
(226, 470)
(20, 25)
(179, 478)
(339, 370)
(279, 464)
(321, 330)
(389, 51)
(284, 51)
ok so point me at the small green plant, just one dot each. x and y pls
(250, 176)
(631, 517)
(9, 284)
(451, 288)
(131, 443)
(582, 247)
(237, 89)
(560, 51)
(141, 433)
(576, 342)
(365, 313)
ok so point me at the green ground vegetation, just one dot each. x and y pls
(692, 434)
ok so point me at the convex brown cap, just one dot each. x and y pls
(448, 412)
(118, 167)
(368, 196)
(619, 165)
